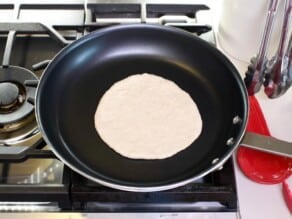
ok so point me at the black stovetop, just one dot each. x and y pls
(214, 192)
(32, 47)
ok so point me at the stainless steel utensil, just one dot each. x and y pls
(278, 71)
(255, 73)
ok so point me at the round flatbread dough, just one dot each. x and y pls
(145, 116)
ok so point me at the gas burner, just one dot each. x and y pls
(11, 96)
(17, 91)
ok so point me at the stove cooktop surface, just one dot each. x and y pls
(31, 178)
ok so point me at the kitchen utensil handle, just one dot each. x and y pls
(277, 77)
(255, 73)
(267, 32)
(267, 144)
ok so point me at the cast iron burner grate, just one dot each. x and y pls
(214, 192)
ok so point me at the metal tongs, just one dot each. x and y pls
(274, 74)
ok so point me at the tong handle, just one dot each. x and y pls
(255, 73)
(267, 33)
(278, 76)
(285, 29)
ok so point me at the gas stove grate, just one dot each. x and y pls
(214, 192)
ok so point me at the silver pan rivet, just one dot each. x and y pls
(215, 160)
(219, 168)
(230, 141)
(236, 120)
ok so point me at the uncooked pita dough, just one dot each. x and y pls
(145, 116)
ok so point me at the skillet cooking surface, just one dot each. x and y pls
(77, 78)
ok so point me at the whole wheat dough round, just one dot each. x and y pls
(145, 116)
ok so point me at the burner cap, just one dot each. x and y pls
(8, 96)
(15, 93)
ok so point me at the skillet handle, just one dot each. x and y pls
(267, 144)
